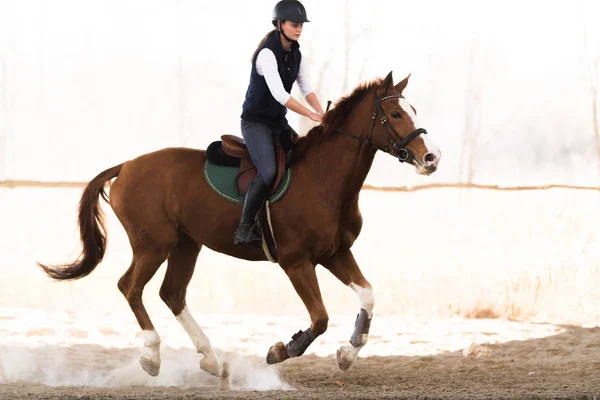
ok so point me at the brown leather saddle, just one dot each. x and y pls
(236, 147)
(231, 151)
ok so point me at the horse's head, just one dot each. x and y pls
(396, 129)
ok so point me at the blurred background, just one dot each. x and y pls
(508, 90)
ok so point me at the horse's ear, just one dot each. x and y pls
(401, 85)
(388, 83)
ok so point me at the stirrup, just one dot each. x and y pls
(248, 235)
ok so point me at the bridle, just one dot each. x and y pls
(397, 150)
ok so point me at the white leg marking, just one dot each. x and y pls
(210, 362)
(199, 338)
(365, 295)
(150, 359)
(347, 354)
(152, 346)
(367, 302)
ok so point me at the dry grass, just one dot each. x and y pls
(481, 313)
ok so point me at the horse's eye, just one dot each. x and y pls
(396, 114)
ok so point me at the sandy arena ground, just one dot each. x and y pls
(545, 361)
(563, 366)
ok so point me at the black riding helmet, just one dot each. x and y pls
(289, 10)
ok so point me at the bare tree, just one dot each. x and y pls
(593, 66)
(472, 115)
(5, 37)
(323, 78)
(181, 76)
(3, 117)
(350, 39)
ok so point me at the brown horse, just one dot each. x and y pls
(169, 212)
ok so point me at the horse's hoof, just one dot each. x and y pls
(277, 353)
(345, 358)
(211, 364)
(225, 384)
(149, 366)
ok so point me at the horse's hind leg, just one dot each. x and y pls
(182, 260)
(344, 267)
(148, 255)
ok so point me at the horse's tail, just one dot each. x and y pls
(91, 229)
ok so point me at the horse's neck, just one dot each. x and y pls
(341, 164)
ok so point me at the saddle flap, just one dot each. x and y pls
(234, 146)
(248, 170)
(216, 155)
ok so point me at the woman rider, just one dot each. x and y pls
(276, 64)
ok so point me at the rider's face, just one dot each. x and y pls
(293, 30)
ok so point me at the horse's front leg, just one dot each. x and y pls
(304, 278)
(344, 267)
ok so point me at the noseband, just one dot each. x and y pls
(396, 149)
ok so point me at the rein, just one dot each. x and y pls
(397, 150)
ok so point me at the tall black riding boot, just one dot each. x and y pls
(248, 232)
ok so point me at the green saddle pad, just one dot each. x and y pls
(221, 179)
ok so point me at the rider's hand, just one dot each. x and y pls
(316, 117)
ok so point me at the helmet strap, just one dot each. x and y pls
(280, 29)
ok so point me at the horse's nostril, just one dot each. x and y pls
(429, 158)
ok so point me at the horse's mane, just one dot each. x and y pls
(333, 119)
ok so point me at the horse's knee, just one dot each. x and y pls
(164, 295)
(123, 285)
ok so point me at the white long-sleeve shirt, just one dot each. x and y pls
(266, 65)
